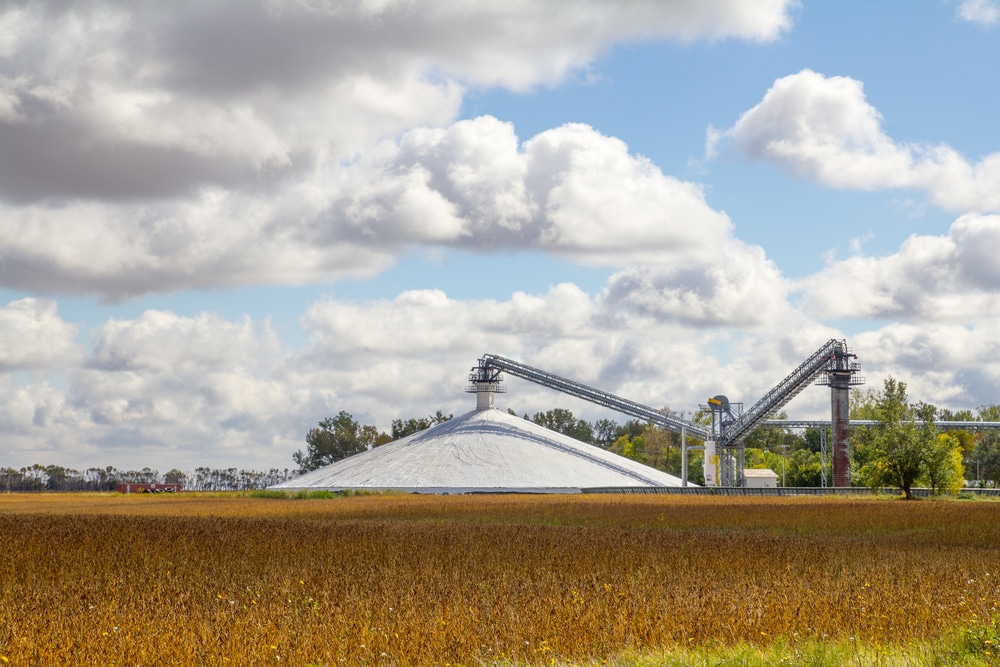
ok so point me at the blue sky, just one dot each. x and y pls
(926, 70)
(224, 221)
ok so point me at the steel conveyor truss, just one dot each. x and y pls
(808, 371)
(728, 435)
(486, 375)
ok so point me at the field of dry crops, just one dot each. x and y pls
(406, 580)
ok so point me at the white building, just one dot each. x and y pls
(760, 478)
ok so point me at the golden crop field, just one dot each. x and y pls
(93, 579)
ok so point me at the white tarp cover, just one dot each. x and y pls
(482, 451)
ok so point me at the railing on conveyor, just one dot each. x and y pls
(782, 393)
(489, 363)
(826, 423)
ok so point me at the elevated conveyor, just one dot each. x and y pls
(833, 360)
(807, 372)
(485, 377)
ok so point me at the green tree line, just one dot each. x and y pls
(57, 478)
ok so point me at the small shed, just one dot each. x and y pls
(760, 478)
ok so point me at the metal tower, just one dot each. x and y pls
(833, 359)
(724, 460)
(841, 374)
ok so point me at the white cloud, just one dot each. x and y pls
(742, 289)
(163, 368)
(170, 391)
(109, 101)
(568, 191)
(984, 12)
(189, 145)
(944, 364)
(934, 278)
(34, 418)
(162, 340)
(189, 388)
(415, 350)
(823, 128)
(33, 336)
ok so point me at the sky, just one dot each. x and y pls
(223, 221)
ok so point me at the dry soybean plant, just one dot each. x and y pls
(406, 580)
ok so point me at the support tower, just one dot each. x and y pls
(841, 374)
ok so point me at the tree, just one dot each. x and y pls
(662, 448)
(335, 439)
(57, 476)
(563, 421)
(34, 477)
(374, 437)
(987, 457)
(101, 479)
(988, 413)
(777, 439)
(175, 476)
(966, 438)
(633, 428)
(605, 432)
(696, 469)
(631, 448)
(895, 451)
(945, 472)
(812, 439)
(803, 468)
(658, 448)
(401, 429)
(946, 415)
(863, 403)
